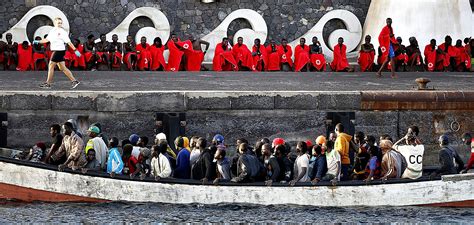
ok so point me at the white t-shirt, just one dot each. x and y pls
(332, 158)
(414, 158)
(301, 162)
(58, 37)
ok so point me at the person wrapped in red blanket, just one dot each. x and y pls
(274, 54)
(157, 58)
(194, 55)
(10, 53)
(366, 55)
(401, 58)
(71, 58)
(130, 57)
(176, 49)
(90, 53)
(25, 57)
(462, 59)
(302, 59)
(115, 53)
(260, 57)
(446, 55)
(286, 58)
(415, 59)
(143, 55)
(318, 62)
(224, 57)
(339, 62)
(102, 51)
(40, 60)
(243, 56)
(431, 54)
(386, 41)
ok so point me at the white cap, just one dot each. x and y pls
(161, 136)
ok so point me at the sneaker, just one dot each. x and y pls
(45, 86)
(75, 84)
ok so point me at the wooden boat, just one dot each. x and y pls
(26, 181)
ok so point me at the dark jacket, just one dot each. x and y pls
(204, 167)
(447, 158)
(286, 169)
(318, 167)
(248, 168)
(273, 168)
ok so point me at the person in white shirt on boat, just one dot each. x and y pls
(160, 165)
(333, 159)
(97, 143)
(195, 152)
(413, 154)
(301, 164)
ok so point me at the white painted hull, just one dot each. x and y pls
(452, 189)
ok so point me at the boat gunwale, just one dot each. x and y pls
(196, 182)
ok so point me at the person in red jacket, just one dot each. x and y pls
(386, 39)
(340, 63)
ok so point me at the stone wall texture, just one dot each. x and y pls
(285, 18)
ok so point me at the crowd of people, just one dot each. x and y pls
(188, 55)
(339, 157)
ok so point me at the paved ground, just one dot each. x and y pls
(233, 81)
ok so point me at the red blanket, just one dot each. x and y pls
(318, 61)
(339, 62)
(286, 56)
(384, 41)
(157, 58)
(176, 55)
(243, 55)
(258, 59)
(366, 60)
(75, 61)
(25, 58)
(301, 57)
(223, 60)
(274, 58)
(194, 58)
(430, 57)
(144, 57)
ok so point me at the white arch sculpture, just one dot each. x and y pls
(19, 30)
(160, 21)
(352, 34)
(258, 24)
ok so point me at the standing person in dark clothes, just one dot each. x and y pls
(271, 164)
(204, 168)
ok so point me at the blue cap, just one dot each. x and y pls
(134, 139)
(218, 138)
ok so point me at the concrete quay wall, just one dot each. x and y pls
(292, 115)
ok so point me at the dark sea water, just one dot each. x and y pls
(167, 213)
